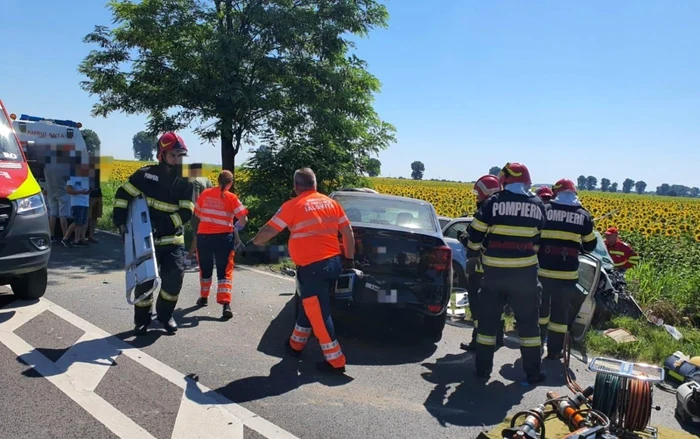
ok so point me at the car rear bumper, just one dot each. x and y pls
(426, 299)
(25, 246)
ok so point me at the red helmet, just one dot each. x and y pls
(544, 191)
(514, 173)
(485, 186)
(170, 142)
(563, 185)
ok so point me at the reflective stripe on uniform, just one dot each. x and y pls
(220, 222)
(509, 262)
(145, 303)
(616, 252)
(590, 237)
(186, 204)
(119, 202)
(557, 327)
(563, 236)
(474, 246)
(162, 206)
(543, 321)
(553, 274)
(301, 334)
(278, 222)
(530, 342)
(317, 232)
(479, 225)
(331, 350)
(169, 297)
(177, 221)
(486, 340)
(522, 232)
(131, 189)
(168, 240)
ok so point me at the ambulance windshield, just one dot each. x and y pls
(9, 148)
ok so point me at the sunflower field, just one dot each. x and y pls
(665, 231)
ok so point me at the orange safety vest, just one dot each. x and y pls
(216, 211)
(313, 220)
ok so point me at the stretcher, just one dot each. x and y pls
(140, 261)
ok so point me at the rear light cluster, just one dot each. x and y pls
(440, 258)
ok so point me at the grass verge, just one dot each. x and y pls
(654, 344)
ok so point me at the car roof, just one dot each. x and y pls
(378, 196)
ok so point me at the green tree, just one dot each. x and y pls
(92, 141)
(582, 182)
(417, 170)
(373, 167)
(613, 187)
(591, 183)
(627, 185)
(240, 69)
(144, 146)
(640, 186)
(495, 170)
(604, 184)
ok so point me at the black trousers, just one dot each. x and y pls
(473, 287)
(521, 289)
(560, 292)
(171, 266)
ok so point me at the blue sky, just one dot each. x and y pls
(603, 88)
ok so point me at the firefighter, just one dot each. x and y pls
(545, 194)
(513, 219)
(483, 188)
(314, 221)
(216, 208)
(169, 197)
(621, 253)
(568, 230)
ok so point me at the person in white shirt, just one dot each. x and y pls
(78, 187)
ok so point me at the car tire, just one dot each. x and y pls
(459, 277)
(434, 327)
(30, 286)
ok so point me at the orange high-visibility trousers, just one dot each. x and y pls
(216, 248)
(315, 283)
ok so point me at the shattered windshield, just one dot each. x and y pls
(601, 252)
(9, 148)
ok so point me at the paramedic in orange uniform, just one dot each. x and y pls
(314, 221)
(216, 207)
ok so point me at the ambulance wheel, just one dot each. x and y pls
(30, 286)
(434, 326)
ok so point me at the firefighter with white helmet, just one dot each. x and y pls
(484, 187)
(512, 220)
(569, 229)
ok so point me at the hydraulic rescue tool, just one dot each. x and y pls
(140, 261)
(531, 428)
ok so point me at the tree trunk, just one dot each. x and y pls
(228, 154)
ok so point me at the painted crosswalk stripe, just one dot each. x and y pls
(202, 412)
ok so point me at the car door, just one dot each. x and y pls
(452, 229)
(583, 305)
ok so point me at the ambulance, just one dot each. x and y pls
(25, 241)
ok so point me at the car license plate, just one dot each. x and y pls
(384, 296)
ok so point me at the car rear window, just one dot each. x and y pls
(388, 211)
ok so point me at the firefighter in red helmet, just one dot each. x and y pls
(569, 229)
(513, 219)
(484, 187)
(545, 194)
(169, 197)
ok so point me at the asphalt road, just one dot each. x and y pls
(231, 379)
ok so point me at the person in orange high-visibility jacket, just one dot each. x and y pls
(216, 240)
(621, 253)
(314, 221)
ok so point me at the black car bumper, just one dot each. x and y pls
(429, 299)
(25, 244)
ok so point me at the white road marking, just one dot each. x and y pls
(266, 273)
(203, 413)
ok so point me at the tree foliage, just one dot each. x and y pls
(417, 170)
(239, 69)
(640, 186)
(581, 182)
(92, 141)
(373, 167)
(495, 170)
(613, 187)
(604, 184)
(591, 183)
(627, 185)
(144, 145)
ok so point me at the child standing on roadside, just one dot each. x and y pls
(78, 187)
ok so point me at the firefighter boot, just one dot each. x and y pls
(170, 326)
(202, 301)
(227, 313)
(471, 346)
(140, 330)
(500, 334)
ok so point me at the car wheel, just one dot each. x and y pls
(30, 286)
(434, 326)
(459, 277)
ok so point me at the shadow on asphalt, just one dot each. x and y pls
(364, 341)
(107, 255)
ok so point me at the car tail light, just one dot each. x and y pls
(434, 308)
(440, 258)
